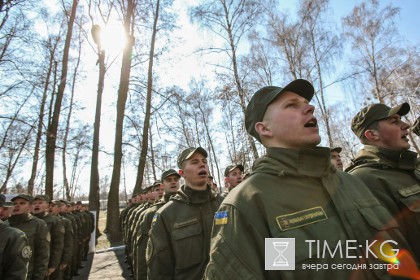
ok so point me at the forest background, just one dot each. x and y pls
(98, 97)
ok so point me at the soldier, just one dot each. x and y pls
(293, 192)
(336, 158)
(233, 176)
(65, 211)
(15, 251)
(170, 184)
(82, 235)
(6, 210)
(139, 202)
(154, 193)
(179, 239)
(89, 218)
(40, 207)
(65, 260)
(387, 167)
(37, 233)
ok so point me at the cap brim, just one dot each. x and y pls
(240, 166)
(170, 174)
(336, 149)
(400, 110)
(302, 87)
(198, 150)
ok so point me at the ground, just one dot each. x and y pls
(106, 263)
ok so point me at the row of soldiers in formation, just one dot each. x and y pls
(136, 219)
(297, 190)
(42, 238)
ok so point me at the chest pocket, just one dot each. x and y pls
(375, 214)
(188, 245)
(410, 198)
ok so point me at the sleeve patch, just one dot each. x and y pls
(26, 252)
(221, 218)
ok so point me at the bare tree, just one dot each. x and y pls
(324, 45)
(146, 124)
(53, 126)
(230, 20)
(113, 214)
(70, 111)
(374, 41)
(51, 45)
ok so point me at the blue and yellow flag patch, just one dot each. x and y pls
(155, 218)
(221, 218)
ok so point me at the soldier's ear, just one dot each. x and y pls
(372, 135)
(181, 172)
(263, 129)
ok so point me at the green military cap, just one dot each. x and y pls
(6, 202)
(24, 196)
(187, 153)
(43, 197)
(156, 183)
(64, 202)
(259, 102)
(416, 127)
(56, 202)
(168, 173)
(230, 168)
(336, 149)
(78, 202)
(375, 112)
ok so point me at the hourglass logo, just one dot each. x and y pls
(279, 254)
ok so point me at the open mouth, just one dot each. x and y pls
(202, 173)
(312, 123)
(405, 137)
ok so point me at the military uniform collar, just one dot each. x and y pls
(21, 218)
(405, 160)
(312, 162)
(189, 195)
(41, 215)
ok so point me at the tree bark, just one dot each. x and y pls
(94, 171)
(144, 142)
(53, 127)
(113, 214)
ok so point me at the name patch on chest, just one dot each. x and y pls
(186, 223)
(301, 218)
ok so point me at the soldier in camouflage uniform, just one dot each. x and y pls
(179, 238)
(135, 222)
(294, 192)
(37, 233)
(336, 158)
(387, 167)
(170, 185)
(233, 177)
(40, 207)
(15, 251)
(54, 210)
(6, 210)
(65, 211)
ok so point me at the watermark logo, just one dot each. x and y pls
(279, 254)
